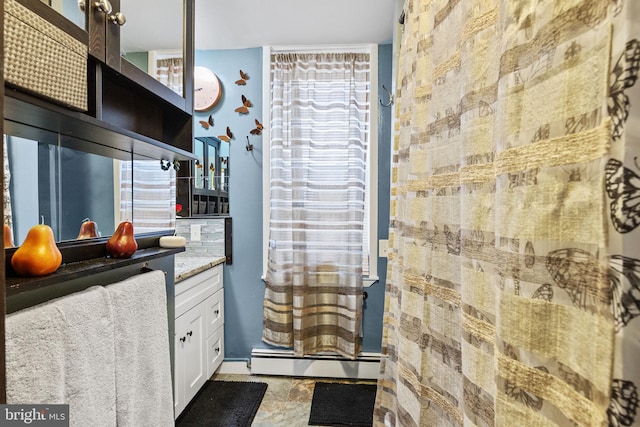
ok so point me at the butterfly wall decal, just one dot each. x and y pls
(623, 188)
(227, 137)
(244, 108)
(258, 128)
(623, 76)
(243, 78)
(208, 123)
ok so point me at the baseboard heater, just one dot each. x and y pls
(283, 362)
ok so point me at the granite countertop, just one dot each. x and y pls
(187, 265)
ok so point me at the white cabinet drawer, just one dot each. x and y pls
(196, 289)
(215, 311)
(215, 351)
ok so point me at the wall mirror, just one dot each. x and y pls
(48, 176)
(152, 39)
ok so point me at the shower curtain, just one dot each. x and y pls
(514, 277)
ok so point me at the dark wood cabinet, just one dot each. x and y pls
(203, 186)
(104, 31)
(127, 115)
(119, 96)
(125, 96)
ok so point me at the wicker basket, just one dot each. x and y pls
(43, 59)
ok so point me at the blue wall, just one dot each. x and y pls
(244, 289)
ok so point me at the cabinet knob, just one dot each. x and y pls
(183, 339)
(216, 312)
(217, 349)
(118, 18)
(190, 333)
(101, 5)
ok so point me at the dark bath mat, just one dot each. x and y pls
(336, 404)
(223, 404)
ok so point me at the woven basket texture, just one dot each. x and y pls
(43, 59)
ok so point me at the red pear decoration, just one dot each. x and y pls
(38, 255)
(122, 244)
(88, 229)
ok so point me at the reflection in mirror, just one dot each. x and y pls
(44, 179)
(60, 185)
(156, 52)
(70, 9)
(148, 196)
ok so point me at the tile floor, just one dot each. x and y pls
(287, 401)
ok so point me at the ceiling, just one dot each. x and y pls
(242, 24)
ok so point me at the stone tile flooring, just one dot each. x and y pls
(287, 401)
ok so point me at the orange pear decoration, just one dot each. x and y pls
(8, 237)
(38, 255)
(88, 229)
(122, 244)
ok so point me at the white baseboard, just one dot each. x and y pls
(281, 362)
(234, 367)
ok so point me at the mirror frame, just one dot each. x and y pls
(135, 74)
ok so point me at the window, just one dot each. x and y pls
(327, 91)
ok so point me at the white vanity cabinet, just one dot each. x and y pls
(199, 333)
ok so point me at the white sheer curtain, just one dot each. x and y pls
(319, 136)
(147, 195)
(169, 73)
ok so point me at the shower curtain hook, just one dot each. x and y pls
(388, 104)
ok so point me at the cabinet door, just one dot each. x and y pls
(104, 35)
(215, 351)
(195, 371)
(178, 368)
(215, 311)
(190, 356)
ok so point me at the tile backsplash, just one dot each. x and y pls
(211, 241)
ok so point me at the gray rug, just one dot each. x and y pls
(337, 404)
(223, 404)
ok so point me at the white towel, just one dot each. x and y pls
(62, 351)
(144, 394)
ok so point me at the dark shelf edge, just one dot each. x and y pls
(74, 270)
(53, 118)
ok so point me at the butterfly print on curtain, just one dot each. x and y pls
(453, 241)
(624, 403)
(624, 276)
(576, 271)
(515, 392)
(544, 292)
(623, 188)
(623, 76)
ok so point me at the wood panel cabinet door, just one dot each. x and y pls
(190, 356)
(104, 33)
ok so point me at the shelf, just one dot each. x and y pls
(25, 114)
(74, 270)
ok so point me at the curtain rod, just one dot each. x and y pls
(329, 48)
